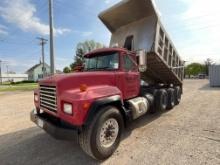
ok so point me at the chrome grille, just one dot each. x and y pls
(48, 97)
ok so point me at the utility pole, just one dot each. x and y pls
(43, 41)
(1, 62)
(52, 63)
(7, 72)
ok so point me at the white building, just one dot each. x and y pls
(35, 73)
(13, 77)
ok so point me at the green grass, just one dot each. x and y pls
(18, 87)
(6, 83)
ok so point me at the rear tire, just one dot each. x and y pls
(171, 98)
(101, 137)
(177, 95)
(161, 100)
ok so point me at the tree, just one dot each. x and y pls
(66, 70)
(81, 49)
(78, 59)
(194, 69)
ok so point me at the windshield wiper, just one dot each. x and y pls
(107, 68)
(90, 69)
(103, 68)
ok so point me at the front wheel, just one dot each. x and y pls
(102, 136)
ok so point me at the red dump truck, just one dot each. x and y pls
(141, 72)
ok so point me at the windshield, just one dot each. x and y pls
(107, 61)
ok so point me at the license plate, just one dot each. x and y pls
(35, 111)
(40, 123)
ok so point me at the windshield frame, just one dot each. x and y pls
(101, 55)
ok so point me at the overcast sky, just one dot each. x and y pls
(193, 25)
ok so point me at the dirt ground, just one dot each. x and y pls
(188, 134)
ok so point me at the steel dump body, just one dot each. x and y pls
(139, 21)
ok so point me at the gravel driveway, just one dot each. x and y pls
(188, 134)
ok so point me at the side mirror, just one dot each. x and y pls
(142, 60)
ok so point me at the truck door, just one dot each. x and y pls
(131, 78)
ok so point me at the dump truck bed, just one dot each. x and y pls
(135, 25)
(159, 72)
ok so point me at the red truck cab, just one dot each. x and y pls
(107, 72)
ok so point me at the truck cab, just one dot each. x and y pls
(122, 63)
(107, 72)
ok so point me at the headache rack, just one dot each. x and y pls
(48, 99)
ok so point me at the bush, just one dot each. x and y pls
(22, 82)
(28, 81)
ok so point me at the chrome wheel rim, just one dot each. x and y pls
(109, 132)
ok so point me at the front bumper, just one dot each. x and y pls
(54, 127)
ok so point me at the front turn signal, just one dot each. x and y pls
(86, 105)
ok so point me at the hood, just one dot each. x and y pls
(74, 80)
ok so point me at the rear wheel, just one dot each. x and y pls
(171, 98)
(161, 100)
(102, 136)
(177, 95)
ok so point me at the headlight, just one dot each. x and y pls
(36, 98)
(68, 108)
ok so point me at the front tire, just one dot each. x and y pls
(102, 136)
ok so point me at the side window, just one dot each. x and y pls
(129, 43)
(129, 65)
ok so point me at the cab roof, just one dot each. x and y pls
(104, 50)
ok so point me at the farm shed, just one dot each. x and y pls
(214, 75)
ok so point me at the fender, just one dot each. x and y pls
(111, 100)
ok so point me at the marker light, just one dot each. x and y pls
(83, 87)
(86, 105)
